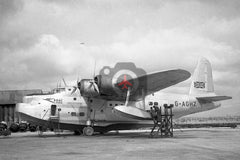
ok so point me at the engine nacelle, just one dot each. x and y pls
(115, 82)
(88, 88)
(105, 85)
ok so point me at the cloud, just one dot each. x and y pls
(44, 62)
(8, 8)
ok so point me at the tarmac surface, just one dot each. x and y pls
(193, 144)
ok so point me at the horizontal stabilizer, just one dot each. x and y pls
(213, 99)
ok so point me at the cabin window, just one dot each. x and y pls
(73, 114)
(69, 89)
(101, 110)
(110, 104)
(74, 98)
(150, 103)
(53, 110)
(155, 103)
(116, 104)
(81, 114)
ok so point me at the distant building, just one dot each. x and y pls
(8, 101)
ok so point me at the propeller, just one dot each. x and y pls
(78, 82)
(92, 81)
(77, 86)
(95, 86)
(64, 82)
(74, 89)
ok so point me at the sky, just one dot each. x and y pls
(44, 40)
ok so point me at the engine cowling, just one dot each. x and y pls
(88, 88)
(104, 84)
(100, 86)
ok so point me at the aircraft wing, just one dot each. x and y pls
(149, 83)
(160, 80)
(153, 82)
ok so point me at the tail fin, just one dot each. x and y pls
(202, 82)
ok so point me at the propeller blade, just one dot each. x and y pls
(64, 82)
(74, 89)
(95, 86)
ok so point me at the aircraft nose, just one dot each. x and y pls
(18, 107)
(24, 108)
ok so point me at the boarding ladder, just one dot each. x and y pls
(162, 120)
(53, 122)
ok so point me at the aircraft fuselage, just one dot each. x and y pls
(75, 111)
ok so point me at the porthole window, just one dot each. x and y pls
(74, 98)
(73, 114)
(81, 114)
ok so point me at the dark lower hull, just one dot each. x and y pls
(77, 127)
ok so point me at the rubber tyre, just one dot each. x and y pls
(88, 131)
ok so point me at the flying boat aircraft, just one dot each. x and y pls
(120, 100)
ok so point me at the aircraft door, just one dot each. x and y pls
(53, 110)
